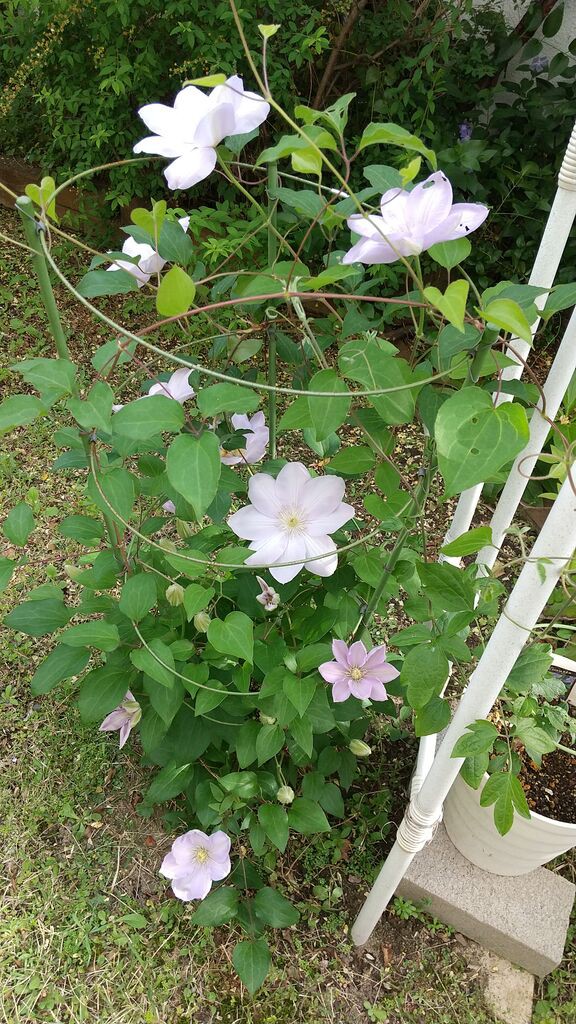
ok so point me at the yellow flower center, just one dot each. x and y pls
(202, 855)
(356, 674)
(292, 519)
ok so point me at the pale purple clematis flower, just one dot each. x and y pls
(269, 598)
(195, 861)
(357, 672)
(149, 262)
(539, 64)
(290, 520)
(465, 131)
(169, 507)
(191, 129)
(123, 718)
(177, 387)
(257, 436)
(412, 222)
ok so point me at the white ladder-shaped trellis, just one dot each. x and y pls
(435, 772)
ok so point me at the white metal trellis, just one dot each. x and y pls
(435, 772)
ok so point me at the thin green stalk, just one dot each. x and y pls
(271, 330)
(25, 208)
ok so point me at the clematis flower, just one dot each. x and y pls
(269, 597)
(149, 263)
(123, 718)
(290, 520)
(195, 861)
(357, 672)
(257, 436)
(413, 221)
(169, 507)
(191, 129)
(177, 388)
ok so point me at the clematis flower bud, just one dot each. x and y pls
(266, 719)
(201, 621)
(359, 748)
(285, 795)
(175, 594)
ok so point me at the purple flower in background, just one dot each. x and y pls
(539, 64)
(465, 131)
(269, 598)
(189, 132)
(169, 507)
(257, 435)
(195, 861)
(357, 672)
(123, 718)
(149, 262)
(413, 221)
(290, 520)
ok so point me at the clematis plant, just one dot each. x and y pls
(174, 634)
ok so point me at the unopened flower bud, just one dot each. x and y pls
(359, 748)
(285, 795)
(201, 621)
(167, 545)
(266, 719)
(175, 594)
(73, 572)
(184, 529)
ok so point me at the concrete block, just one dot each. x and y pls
(507, 991)
(523, 919)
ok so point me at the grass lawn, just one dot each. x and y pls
(88, 929)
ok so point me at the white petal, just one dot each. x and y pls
(319, 546)
(290, 483)
(269, 551)
(369, 251)
(191, 168)
(331, 522)
(191, 105)
(322, 495)
(215, 125)
(178, 386)
(430, 203)
(250, 110)
(240, 421)
(152, 264)
(263, 493)
(161, 146)
(160, 119)
(368, 227)
(250, 524)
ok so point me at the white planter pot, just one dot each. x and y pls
(528, 844)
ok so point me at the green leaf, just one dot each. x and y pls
(193, 468)
(307, 817)
(119, 490)
(233, 635)
(327, 414)
(7, 566)
(474, 768)
(424, 673)
(267, 31)
(274, 821)
(167, 702)
(196, 598)
(172, 780)
(61, 663)
(102, 690)
(217, 908)
(535, 739)
(388, 134)
(98, 633)
(226, 398)
(269, 741)
(504, 790)
(19, 524)
(38, 618)
(478, 740)
(147, 417)
(507, 315)
(82, 528)
(299, 691)
(468, 543)
(51, 377)
(432, 718)
(105, 282)
(138, 596)
(374, 368)
(18, 411)
(354, 460)
(447, 587)
(297, 415)
(149, 662)
(383, 177)
(137, 921)
(95, 410)
(175, 245)
(552, 24)
(274, 909)
(563, 296)
(176, 293)
(450, 254)
(452, 304)
(41, 195)
(251, 959)
(208, 81)
(246, 743)
(530, 668)
(475, 440)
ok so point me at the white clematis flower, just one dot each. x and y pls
(189, 131)
(290, 520)
(257, 436)
(150, 262)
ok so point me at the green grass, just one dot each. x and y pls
(88, 931)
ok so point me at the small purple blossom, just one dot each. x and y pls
(465, 131)
(195, 861)
(412, 222)
(256, 433)
(357, 672)
(539, 64)
(169, 507)
(269, 597)
(123, 718)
